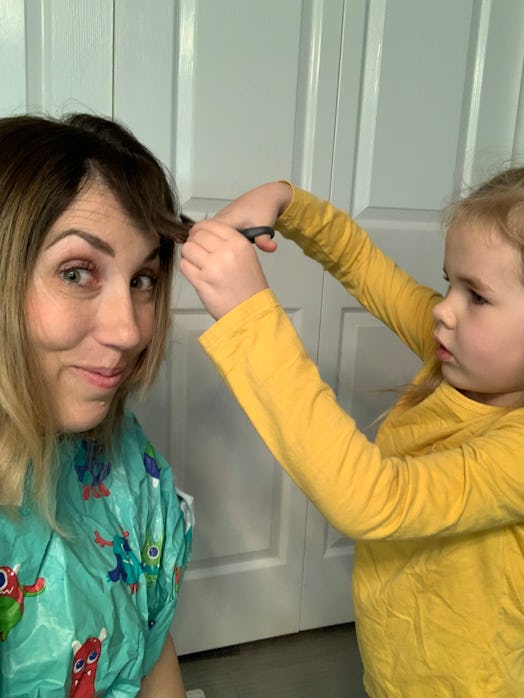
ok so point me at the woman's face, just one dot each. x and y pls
(90, 306)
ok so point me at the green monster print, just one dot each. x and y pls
(12, 595)
(151, 554)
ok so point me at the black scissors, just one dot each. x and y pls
(252, 233)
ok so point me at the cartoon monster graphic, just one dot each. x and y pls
(91, 469)
(151, 464)
(151, 555)
(85, 663)
(12, 595)
(128, 567)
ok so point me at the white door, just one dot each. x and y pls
(383, 106)
(236, 126)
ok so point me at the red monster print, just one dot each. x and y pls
(85, 663)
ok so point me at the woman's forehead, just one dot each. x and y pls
(97, 202)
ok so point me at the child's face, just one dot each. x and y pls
(479, 326)
(90, 306)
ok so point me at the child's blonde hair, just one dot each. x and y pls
(44, 164)
(497, 204)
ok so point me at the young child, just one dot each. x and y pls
(436, 505)
(94, 538)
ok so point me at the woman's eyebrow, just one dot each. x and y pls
(155, 252)
(98, 243)
(91, 239)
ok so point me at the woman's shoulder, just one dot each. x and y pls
(131, 427)
(133, 444)
(132, 432)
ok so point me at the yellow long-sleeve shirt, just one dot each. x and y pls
(436, 504)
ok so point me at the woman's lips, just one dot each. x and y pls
(103, 378)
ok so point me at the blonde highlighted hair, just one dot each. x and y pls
(44, 164)
(499, 205)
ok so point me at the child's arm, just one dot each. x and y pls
(232, 273)
(469, 486)
(258, 353)
(165, 679)
(331, 237)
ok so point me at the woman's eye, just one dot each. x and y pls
(75, 275)
(143, 282)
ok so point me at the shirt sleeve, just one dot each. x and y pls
(330, 237)
(474, 485)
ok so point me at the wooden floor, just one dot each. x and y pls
(320, 663)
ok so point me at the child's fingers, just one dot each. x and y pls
(265, 243)
(212, 228)
(212, 233)
(225, 276)
(195, 252)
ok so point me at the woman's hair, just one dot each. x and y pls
(499, 205)
(44, 164)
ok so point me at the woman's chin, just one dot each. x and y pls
(75, 421)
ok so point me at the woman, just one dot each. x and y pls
(95, 538)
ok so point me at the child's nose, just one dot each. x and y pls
(443, 313)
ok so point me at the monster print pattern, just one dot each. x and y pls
(12, 595)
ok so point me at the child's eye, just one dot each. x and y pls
(144, 282)
(478, 300)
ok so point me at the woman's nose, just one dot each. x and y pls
(118, 321)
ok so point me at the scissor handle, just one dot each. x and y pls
(252, 233)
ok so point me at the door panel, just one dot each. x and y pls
(239, 87)
(250, 519)
(146, 45)
(70, 56)
(12, 58)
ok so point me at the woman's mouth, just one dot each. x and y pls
(102, 378)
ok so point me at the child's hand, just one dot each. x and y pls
(259, 206)
(222, 266)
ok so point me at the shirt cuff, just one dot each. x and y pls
(240, 317)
